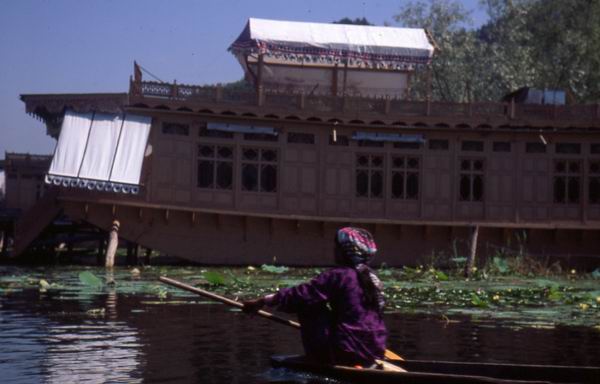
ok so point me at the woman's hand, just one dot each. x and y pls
(253, 306)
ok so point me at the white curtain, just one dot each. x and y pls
(100, 151)
(101, 147)
(71, 144)
(127, 166)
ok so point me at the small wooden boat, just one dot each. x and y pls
(446, 372)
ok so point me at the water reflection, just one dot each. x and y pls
(78, 334)
(92, 353)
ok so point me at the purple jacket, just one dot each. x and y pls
(356, 329)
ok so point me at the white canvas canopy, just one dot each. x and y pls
(100, 151)
(385, 47)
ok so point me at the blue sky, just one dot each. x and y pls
(80, 46)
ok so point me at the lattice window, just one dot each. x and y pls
(472, 146)
(405, 177)
(300, 138)
(259, 169)
(341, 140)
(369, 175)
(215, 166)
(471, 186)
(567, 181)
(568, 148)
(260, 137)
(594, 182)
(175, 129)
(438, 145)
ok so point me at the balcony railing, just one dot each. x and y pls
(291, 102)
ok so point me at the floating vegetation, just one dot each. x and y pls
(493, 294)
(89, 279)
(96, 312)
(274, 268)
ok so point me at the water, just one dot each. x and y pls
(74, 334)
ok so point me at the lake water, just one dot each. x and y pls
(76, 334)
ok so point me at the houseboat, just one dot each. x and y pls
(326, 136)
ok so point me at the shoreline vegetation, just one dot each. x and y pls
(514, 292)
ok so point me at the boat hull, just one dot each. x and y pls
(447, 372)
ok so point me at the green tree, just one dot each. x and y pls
(356, 21)
(541, 43)
(566, 45)
(451, 69)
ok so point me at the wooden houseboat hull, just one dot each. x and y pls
(447, 372)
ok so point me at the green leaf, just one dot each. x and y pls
(596, 273)
(478, 301)
(88, 278)
(274, 268)
(214, 278)
(441, 276)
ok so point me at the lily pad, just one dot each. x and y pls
(89, 279)
(214, 278)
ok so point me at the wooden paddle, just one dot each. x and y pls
(268, 315)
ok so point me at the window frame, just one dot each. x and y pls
(406, 172)
(472, 174)
(216, 161)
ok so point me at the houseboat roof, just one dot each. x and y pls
(373, 46)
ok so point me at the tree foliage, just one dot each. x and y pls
(541, 43)
(356, 21)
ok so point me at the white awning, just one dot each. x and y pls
(392, 137)
(387, 47)
(100, 151)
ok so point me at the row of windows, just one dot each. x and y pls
(404, 172)
(343, 140)
(258, 168)
(567, 181)
(259, 173)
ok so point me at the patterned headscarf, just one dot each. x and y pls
(357, 245)
(358, 248)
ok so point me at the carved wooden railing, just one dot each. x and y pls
(357, 105)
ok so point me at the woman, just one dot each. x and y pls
(341, 310)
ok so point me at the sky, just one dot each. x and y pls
(84, 46)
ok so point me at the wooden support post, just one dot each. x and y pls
(512, 108)
(113, 244)
(259, 80)
(429, 84)
(334, 81)
(473, 253)
(219, 93)
(345, 80)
